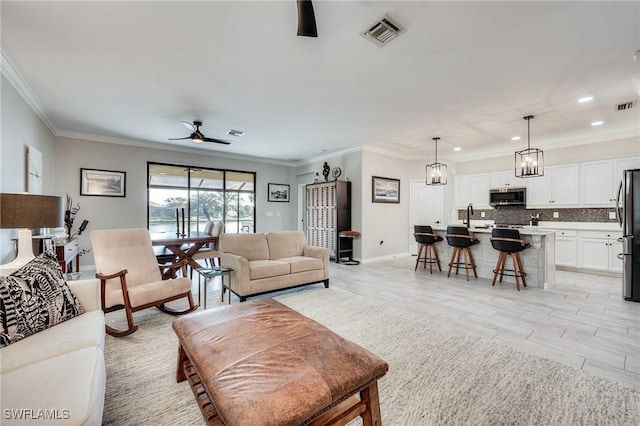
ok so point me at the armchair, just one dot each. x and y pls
(130, 277)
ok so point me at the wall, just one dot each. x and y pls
(21, 127)
(131, 211)
(594, 151)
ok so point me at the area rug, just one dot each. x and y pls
(437, 374)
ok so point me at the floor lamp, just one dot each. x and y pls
(28, 211)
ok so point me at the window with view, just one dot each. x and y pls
(205, 195)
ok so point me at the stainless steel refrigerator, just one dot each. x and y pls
(628, 210)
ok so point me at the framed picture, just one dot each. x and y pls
(385, 190)
(278, 192)
(103, 183)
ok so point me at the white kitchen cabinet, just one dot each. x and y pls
(462, 190)
(598, 250)
(472, 189)
(600, 179)
(480, 191)
(566, 248)
(507, 179)
(557, 188)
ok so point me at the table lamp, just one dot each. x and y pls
(28, 211)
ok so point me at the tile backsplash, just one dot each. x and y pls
(519, 215)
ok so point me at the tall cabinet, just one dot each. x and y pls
(328, 213)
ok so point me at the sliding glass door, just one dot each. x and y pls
(199, 195)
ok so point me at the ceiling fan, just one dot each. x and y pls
(306, 19)
(197, 136)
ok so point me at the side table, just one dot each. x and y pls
(66, 250)
(208, 273)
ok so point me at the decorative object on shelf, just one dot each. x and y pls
(103, 183)
(436, 173)
(28, 211)
(34, 181)
(70, 212)
(278, 192)
(385, 190)
(529, 162)
(325, 171)
(336, 173)
(316, 178)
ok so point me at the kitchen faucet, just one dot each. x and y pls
(469, 214)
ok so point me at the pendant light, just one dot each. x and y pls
(436, 172)
(529, 162)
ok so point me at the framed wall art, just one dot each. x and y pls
(385, 190)
(278, 192)
(103, 183)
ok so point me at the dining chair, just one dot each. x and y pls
(131, 279)
(210, 253)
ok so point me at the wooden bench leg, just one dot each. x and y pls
(182, 357)
(371, 416)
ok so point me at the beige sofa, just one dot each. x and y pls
(57, 376)
(263, 263)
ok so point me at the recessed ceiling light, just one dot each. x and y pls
(597, 123)
(585, 99)
(457, 148)
(515, 138)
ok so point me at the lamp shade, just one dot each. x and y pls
(30, 211)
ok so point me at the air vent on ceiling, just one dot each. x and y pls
(236, 133)
(383, 31)
(625, 106)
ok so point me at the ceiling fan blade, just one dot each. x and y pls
(189, 126)
(179, 139)
(306, 19)
(217, 141)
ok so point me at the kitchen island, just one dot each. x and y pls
(538, 260)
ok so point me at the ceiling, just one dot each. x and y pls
(467, 72)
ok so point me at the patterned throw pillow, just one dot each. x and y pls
(34, 298)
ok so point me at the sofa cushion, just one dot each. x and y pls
(80, 332)
(34, 298)
(286, 244)
(70, 387)
(249, 246)
(302, 264)
(268, 268)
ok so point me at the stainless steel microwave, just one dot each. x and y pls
(508, 197)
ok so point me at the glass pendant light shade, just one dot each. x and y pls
(436, 173)
(529, 162)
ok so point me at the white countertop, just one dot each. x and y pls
(529, 230)
(550, 226)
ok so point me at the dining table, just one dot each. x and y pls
(184, 247)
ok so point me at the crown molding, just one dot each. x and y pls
(167, 147)
(11, 73)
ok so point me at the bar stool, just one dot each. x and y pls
(427, 239)
(509, 243)
(458, 237)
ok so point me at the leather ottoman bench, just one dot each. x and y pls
(262, 363)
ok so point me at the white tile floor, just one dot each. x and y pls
(581, 321)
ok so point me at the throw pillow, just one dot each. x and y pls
(34, 298)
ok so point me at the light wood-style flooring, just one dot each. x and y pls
(582, 321)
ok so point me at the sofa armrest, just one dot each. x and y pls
(240, 278)
(87, 292)
(321, 253)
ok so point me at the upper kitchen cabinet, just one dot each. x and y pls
(506, 179)
(558, 187)
(472, 189)
(600, 180)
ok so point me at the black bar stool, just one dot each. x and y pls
(427, 239)
(509, 244)
(458, 237)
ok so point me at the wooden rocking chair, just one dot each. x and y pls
(130, 277)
